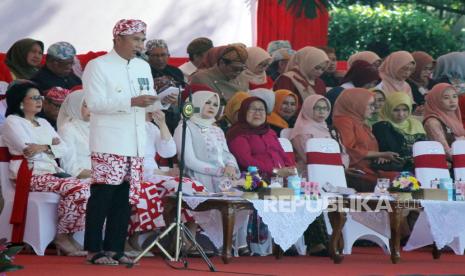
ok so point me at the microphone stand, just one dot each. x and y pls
(187, 110)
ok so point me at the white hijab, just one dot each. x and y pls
(199, 99)
(70, 110)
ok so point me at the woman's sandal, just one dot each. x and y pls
(100, 256)
(122, 259)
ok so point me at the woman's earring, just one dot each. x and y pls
(21, 106)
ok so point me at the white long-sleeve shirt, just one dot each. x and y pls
(18, 132)
(77, 157)
(154, 145)
(109, 83)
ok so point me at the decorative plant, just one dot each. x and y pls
(405, 182)
(7, 256)
(252, 180)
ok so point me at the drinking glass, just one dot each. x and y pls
(225, 184)
(382, 185)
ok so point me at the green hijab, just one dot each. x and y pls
(16, 58)
(411, 125)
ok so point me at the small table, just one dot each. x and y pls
(227, 209)
(337, 217)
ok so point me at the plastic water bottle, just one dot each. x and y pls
(447, 184)
(293, 182)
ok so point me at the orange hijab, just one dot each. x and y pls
(434, 108)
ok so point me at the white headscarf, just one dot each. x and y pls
(199, 99)
(267, 95)
(70, 110)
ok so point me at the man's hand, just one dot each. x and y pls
(143, 100)
(170, 99)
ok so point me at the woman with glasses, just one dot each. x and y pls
(351, 111)
(398, 130)
(394, 71)
(420, 81)
(34, 146)
(311, 123)
(254, 143)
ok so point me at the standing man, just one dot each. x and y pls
(117, 89)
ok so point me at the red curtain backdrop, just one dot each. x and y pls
(274, 22)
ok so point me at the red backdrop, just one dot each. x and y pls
(274, 22)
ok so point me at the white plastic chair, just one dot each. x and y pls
(425, 175)
(458, 150)
(41, 219)
(335, 175)
(286, 133)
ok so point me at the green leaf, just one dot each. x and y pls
(12, 251)
(7, 268)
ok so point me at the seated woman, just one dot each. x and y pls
(257, 62)
(303, 72)
(394, 72)
(398, 130)
(443, 122)
(273, 119)
(33, 140)
(353, 107)
(361, 74)
(420, 81)
(208, 159)
(252, 141)
(230, 110)
(24, 58)
(73, 127)
(285, 105)
(380, 99)
(311, 123)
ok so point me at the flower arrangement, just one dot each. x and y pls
(7, 257)
(311, 190)
(405, 182)
(252, 180)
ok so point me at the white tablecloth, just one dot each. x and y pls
(442, 222)
(287, 220)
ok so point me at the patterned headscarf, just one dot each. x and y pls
(61, 50)
(57, 94)
(156, 43)
(129, 27)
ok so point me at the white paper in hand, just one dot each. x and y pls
(168, 91)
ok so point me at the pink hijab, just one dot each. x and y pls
(305, 123)
(433, 108)
(367, 56)
(389, 70)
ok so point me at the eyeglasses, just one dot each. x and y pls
(237, 68)
(321, 108)
(37, 98)
(256, 110)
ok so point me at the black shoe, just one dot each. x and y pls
(244, 251)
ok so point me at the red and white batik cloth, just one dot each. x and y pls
(73, 199)
(114, 169)
(147, 215)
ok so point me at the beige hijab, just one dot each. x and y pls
(299, 67)
(388, 72)
(256, 56)
(367, 56)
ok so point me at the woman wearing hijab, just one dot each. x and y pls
(303, 73)
(380, 99)
(394, 72)
(420, 81)
(351, 110)
(361, 74)
(257, 62)
(285, 106)
(207, 156)
(398, 130)
(230, 110)
(273, 119)
(24, 58)
(311, 123)
(73, 127)
(32, 140)
(252, 141)
(450, 68)
(368, 56)
(208, 159)
(442, 120)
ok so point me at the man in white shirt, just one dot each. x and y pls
(118, 87)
